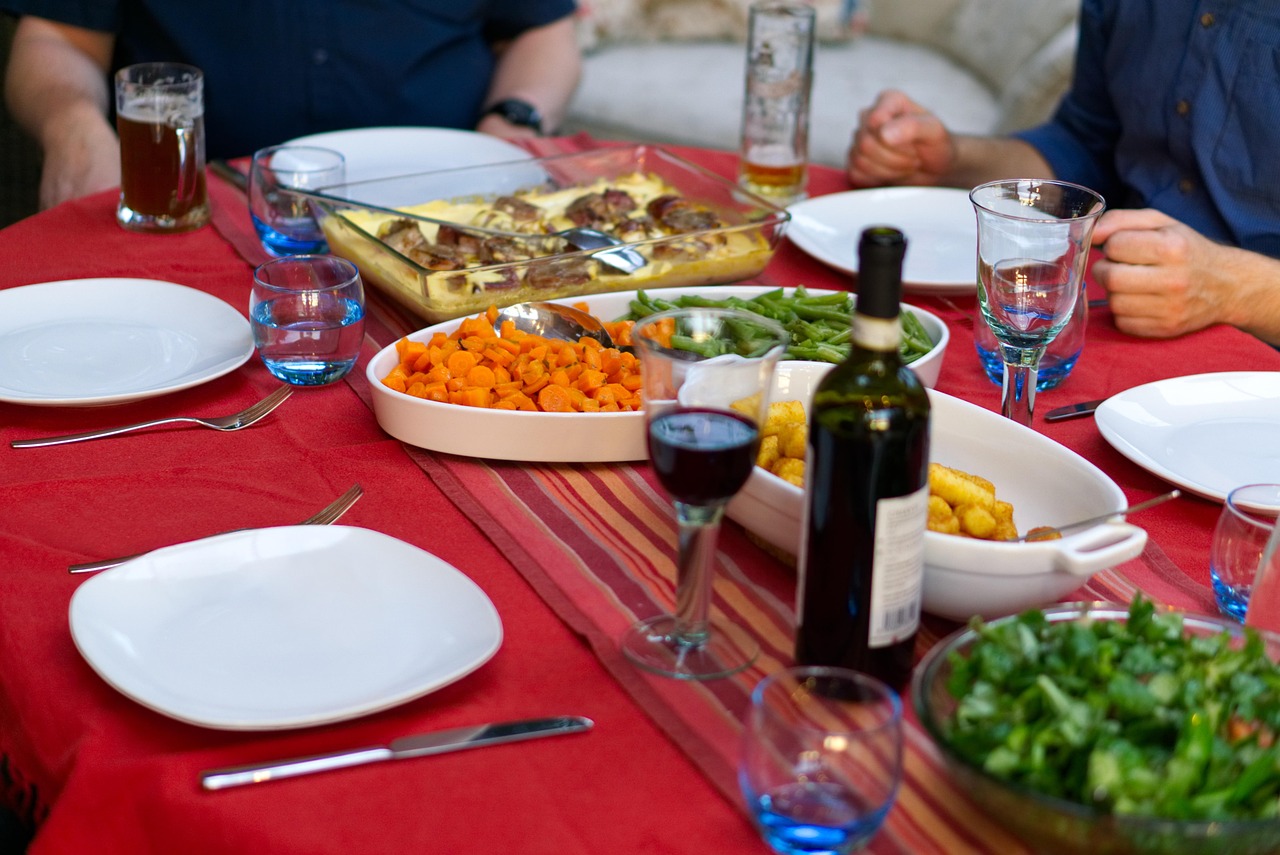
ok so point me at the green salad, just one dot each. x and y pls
(1133, 717)
(818, 324)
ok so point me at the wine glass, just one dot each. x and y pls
(707, 375)
(821, 759)
(1033, 244)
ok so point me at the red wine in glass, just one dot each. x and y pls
(702, 456)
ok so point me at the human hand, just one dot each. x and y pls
(81, 157)
(899, 142)
(1163, 278)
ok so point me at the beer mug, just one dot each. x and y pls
(160, 121)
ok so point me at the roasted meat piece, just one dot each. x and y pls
(556, 272)
(677, 214)
(468, 243)
(518, 209)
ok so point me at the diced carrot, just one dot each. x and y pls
(591, 379)
(509, 369)
(460, 362)
(554, 399)
(481, 376)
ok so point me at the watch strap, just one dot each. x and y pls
(517, 112)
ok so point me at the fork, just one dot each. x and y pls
(327, 515)
(242, 419)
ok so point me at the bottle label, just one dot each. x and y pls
(897, 576)
(882, 334)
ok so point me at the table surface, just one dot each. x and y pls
(97, 772)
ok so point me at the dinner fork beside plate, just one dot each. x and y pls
(248, 416)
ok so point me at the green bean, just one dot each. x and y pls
(818, 323)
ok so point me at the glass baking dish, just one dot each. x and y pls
(733, 243)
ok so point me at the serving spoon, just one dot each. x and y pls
(558, 321)
(1046, 533)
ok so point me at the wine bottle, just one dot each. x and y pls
(862, 549)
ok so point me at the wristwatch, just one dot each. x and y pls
(518, 112)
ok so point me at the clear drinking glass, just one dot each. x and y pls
(821, 759)
(160, 122)
(283, 220)
(1033, 244)
(775, 113)
(307, 316)
(1239, 539)
(707, 375)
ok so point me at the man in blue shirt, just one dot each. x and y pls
(279, 69)
(1172, 116)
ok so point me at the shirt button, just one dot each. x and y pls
(319, 56)
(1184, 107)
(1207, 20)
(1186, 185)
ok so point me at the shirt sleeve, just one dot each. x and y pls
(507, 19)
(1079, 141)
(102, 15)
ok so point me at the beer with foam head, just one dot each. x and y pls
(160, 121)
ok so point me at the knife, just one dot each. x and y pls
(419, 745)
(229, 174)
(1072, 411)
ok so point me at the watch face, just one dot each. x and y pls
(518, 113)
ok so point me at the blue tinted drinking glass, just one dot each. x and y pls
(821, 759)
(283, 219)
(307, 316)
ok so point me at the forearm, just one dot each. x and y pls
(56, 78)
(977, 160)
(541, 66)
(1247, 287)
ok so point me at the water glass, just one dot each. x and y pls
(1246, 522)
(775, 115)
(284, 220)
(160, 122)
(1060, 356)
(821, 759)
(307, 315)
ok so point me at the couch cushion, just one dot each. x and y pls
(610, 21)
(691, 93)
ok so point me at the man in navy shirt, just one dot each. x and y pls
(1172, 116)
(280, 69)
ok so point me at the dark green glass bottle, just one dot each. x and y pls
(862, 554)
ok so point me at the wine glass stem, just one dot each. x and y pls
(699, 532)
(1018, 397)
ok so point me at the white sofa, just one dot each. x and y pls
(671, 71)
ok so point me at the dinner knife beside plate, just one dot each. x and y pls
(419, 745)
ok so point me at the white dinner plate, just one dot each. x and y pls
(1206, 433)
(559, 437)
(83, 342)
(941, 230)
(282, 627)
(383, 152)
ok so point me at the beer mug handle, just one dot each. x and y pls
(188, 181)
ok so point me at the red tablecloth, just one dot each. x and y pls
(101, 773)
